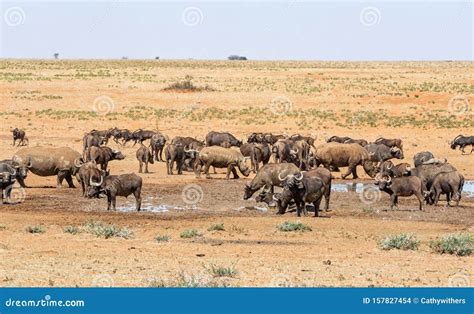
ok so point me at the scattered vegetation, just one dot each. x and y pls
(36, 229)
(402, 241)
(288, 226)
(220, 271)
(190, 233)
(216, 227)
(101, 229)
(162, 238)
(187, 85)
(3, 227)
(72, 229)
(187, 281)
(460, 244)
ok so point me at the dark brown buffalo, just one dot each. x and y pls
(7, 179)
(20, 136)
(462, 141)
(113, 186)
(395, 171)
(422, 157)
(338, 139)
(448, 183)
(381, 152)
(394, 142)
(361, 142)
(427, 172)
(299, 137)
(157, 143)
(402, 186)
(304, 187)
(103, 155)
(269, 176)
(141, 135)
(91, 140)
(87, 173)
(174, 153)
(144, 156)
(21, 171)
(218, 138)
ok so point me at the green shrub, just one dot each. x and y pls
(36, 229)
(162, 238)
(402, 241)
(288, 226)
(190, 233)
(72, 229)
(460, 244)
(101, 229)
(216, 227)
(219, 271)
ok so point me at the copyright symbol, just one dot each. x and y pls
(415, 300)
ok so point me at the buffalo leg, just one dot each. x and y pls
(140, 164)
(146, 167)
(109, 201)
(1, 191)
(69, 181)
(60, 178)
(138, 199)
(234, 172)
(348, 172)
(393, 198)
(419, 196)
(206, 170)
(114, 202)
(436, 199)
(316, 207)
(327, 198)
(448, 198)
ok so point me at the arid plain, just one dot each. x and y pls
(426, 104)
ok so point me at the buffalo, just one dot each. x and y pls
(21, 171)
(117, 185)
(462, 141)
(422, 157)
(401, 186)
(174, 153)
(157, 143)
(303, 187)
(87, 174)
(220, 157)
(269, 176)
(344, 155)
(395, 142)
(49, 161)
(221, 138)
(7, 179)
(381, 152)
(103, 155)
(144, 156)
(20, 136)
(449, 183)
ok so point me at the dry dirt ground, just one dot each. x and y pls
(425, 104)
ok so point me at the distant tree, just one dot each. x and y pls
(56, 55)
(157, 58)
(124, 58)
(236, 57)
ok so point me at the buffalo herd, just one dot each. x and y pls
(299, 168)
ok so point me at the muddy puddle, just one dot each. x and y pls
(468, 189)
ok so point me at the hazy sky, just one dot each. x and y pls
(298, 30)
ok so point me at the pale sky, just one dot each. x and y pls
(259, 30)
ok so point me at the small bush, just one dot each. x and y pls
(3, 227)
(460, 244)
(162, 238)
(293, 226)
(402, 241)
(36, 229)
(72, 229)
(190, 233)
(187, 85)
(216, 227)
(101, 229)
(219, 271)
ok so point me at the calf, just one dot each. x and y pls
(157, 143)
(113, 186)
(144, 156)
(403, 186)
(449, 183)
